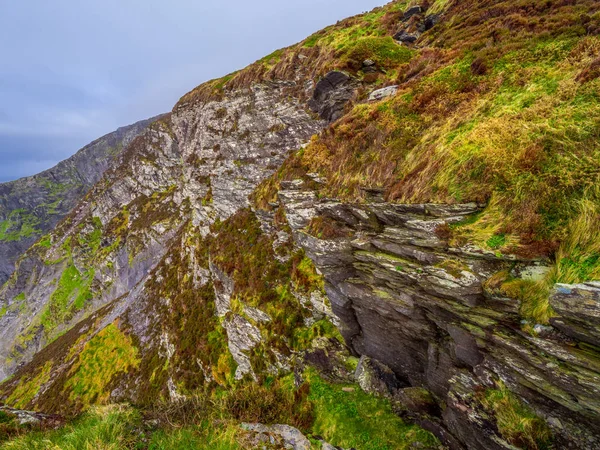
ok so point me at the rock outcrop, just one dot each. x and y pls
(195, 166)
(411, 302)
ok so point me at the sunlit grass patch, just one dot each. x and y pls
(516, 422)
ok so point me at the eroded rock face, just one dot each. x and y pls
(410, 301)
(41, 201)
(193, 167)
(578, 310)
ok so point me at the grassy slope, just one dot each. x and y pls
(500, 105)
(346, 417)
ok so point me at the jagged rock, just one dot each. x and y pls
(288, 436)
(412, 11)
(46, 198)
(34, 418)
(578, 311)
(368, 66)
(405, 38)
(417, 400)
(431, 21)
(331, 94)
(242, 337)
(409, 301)
(193, 166)
(382, 93)
(376, 378)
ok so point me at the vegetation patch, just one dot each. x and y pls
(350, 418)
(517, 423)
(19, 225)
(28, 388)
(70, 296)
(106, 355)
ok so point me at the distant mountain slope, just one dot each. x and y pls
(32, 206)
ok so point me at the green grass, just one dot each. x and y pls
(106, 355)
(19, 225)
(117, 427)
(25, 392)
(71, 295)
(105, 428)
(516, 422)
(357, 420)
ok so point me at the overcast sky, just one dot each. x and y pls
(72, 71)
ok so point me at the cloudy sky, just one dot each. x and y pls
(72, 70)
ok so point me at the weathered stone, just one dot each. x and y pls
(49, 196)
(412, 11)
(408, 300)
(376, 378)
(406, 38)
(578, 311)
(289, 436)
(382, 93)
(331, 94)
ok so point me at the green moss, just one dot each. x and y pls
(71, 295)
(106, 355)
(27, 389)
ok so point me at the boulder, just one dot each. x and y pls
(405, 38)
(331, 94)
(288, 436)
(376, 378)
(382, 93)
(412, 11)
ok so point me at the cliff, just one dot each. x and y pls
(404, 203)
(31, 207)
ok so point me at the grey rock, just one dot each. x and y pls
(405, 37)
(291, 437)
(376, 378)
(412, 11)
(331, 94)
(49, 196)
(406, 299)
(382, 93)
(578, 311)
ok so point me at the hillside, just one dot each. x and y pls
(31, 207)
(384, 236)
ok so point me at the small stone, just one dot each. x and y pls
(348, 389)
(542, 330)
(554, 422)
(405, 38)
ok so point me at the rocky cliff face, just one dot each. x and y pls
(32, 206)
(437, 317)
(187, 170)
(235, 238)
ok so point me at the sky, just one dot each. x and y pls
(72, 71)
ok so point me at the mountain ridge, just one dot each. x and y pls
(33, 205)
(366, 208)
